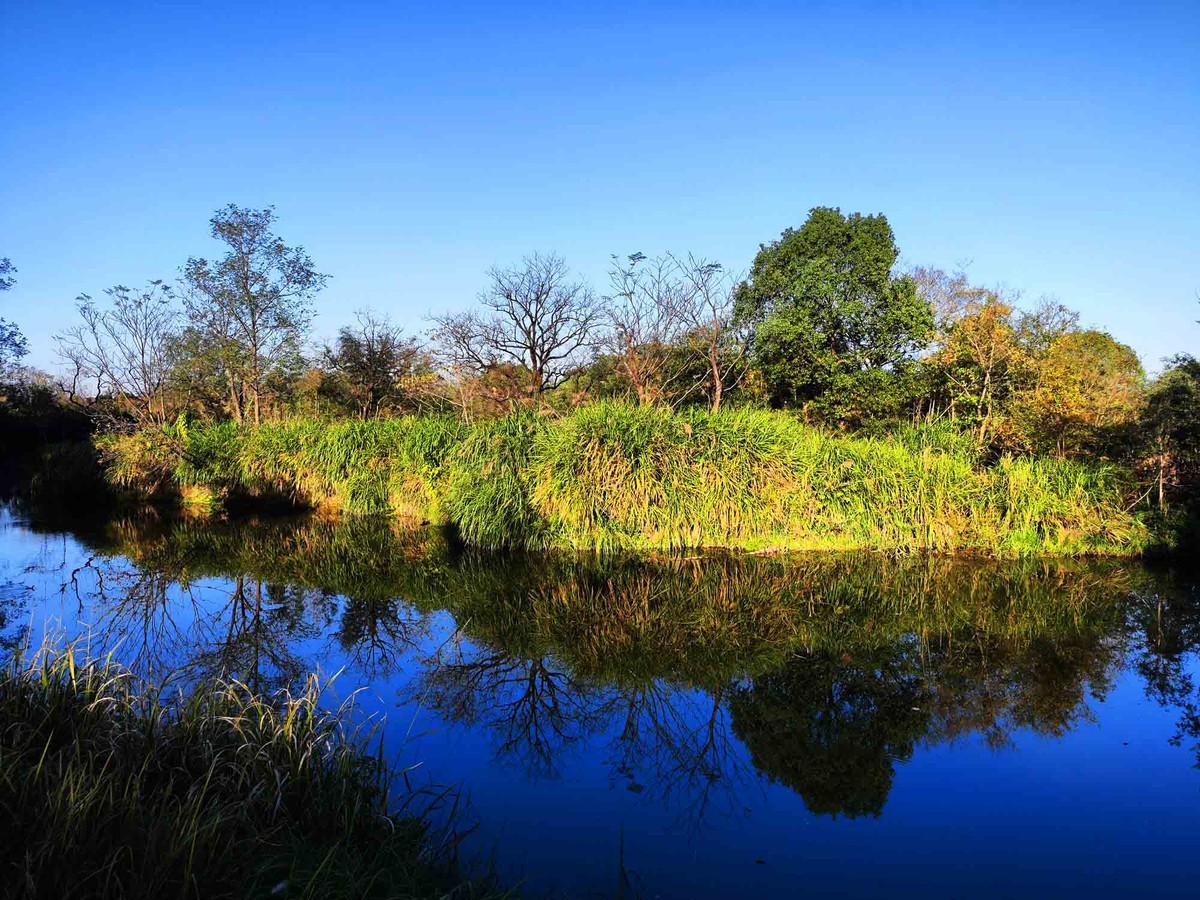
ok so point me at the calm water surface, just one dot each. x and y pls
(695, 727)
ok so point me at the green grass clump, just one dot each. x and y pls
(110, 787)
(487, 493)
(617, 476)
(613, 476)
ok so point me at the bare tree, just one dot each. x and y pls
(949, 294)
(709, 316)
(253, 305)
(535, 317)
(670, 327)
(125, 349)
(1046, 322)
(648, 318)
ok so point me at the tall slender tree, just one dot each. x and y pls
(253, 306)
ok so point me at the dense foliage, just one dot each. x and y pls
(834, 327)
(615, 475)
(825, 325)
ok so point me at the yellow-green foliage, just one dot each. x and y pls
(616, 476)
(386, 466)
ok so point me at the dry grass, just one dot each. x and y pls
(111, 787)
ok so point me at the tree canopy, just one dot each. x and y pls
(834, 329)
(1088, 390)
(253, 305)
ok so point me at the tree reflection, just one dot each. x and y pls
(146, 614)
(252, 636)
(1166, 629)
(679, 744)
(536, 708)
(992, 688)
(377, 633)
(685, 676)
(14, 597)
(833, 728)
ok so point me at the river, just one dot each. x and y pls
(691, 726)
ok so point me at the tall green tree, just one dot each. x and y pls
(252, 307)
(1172, 423)
(834, 330)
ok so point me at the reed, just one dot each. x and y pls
(114, 787)
(612, 476)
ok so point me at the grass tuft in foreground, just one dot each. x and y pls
(110, 787)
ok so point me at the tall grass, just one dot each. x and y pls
(615, 476)
(110, 787)
(360, 468)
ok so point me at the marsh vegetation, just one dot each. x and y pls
(613, 476)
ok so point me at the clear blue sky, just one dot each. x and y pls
(411, 146)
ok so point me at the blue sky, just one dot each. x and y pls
(409, 147)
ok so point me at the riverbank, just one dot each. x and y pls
(614, 476)
(117, 788)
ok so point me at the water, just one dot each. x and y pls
(700, 727)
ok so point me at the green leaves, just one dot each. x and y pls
(825, 308)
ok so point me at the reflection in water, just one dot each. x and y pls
(823, 673)
(832, 728)
(535, 707)
(1166, 623)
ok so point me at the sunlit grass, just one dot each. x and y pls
(612, 476)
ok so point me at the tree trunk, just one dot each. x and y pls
(1162, 474)
(718, 387)
(234, 400)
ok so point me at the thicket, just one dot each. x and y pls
(826, 325)
(618, 476)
